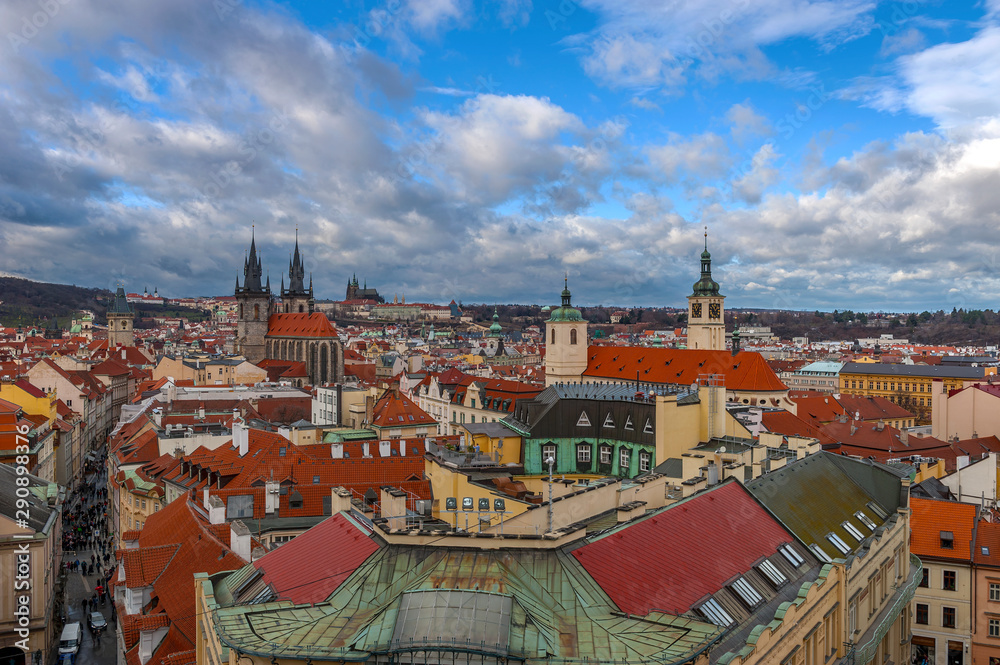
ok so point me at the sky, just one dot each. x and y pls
(840, 153)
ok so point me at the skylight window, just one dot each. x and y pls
(820, 554)
(791, 555)
(878, 510)
(712, 610)
(853, 530)
(747, 593)
(838, 542)
(772, 573)
(609, 421)
(864, 519)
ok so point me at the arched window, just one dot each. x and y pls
(301, 309)
(553, 335)
(256, 311)
(572, 336)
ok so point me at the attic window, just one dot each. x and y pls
(746, 592)
(985, 551)
(947, 540)
(864, 519)
(878, 510)
(820, 554)
(838, 542)
(771, 572)
(712, 610)
(315, 480)
(583, 420)
(281, 451)
(853, 530)
(628, 422)
(648, 429)
(791, 555)
(609, 421)
(295, 500)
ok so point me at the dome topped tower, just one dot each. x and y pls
(566, 342)
(706, 312)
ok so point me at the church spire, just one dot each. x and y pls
(706, 286)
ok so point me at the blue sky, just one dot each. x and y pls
(842, 153)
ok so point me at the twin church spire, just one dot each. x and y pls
(296, 298)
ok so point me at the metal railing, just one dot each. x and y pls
(860, 654)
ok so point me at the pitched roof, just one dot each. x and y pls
(394, 409)
(987, 546)
(746, 371)
(930, 518)
(813, 496)
(714, 549)
(873, 408)
(783, 422)
(294, 572)
(314, 325)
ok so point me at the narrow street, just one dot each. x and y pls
(86, 541)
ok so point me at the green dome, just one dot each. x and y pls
(566, 312)
(495, 329)
(706, 286)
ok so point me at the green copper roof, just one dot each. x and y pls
(566, 311)
(121, 304)
(706, 286)
(548, 609)
(495, 329)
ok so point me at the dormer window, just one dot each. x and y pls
(746, 592)
(771, 572)
(838, 542)
(712, 610)
(947, 540)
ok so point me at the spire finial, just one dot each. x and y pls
(566, 279)
(706, 238)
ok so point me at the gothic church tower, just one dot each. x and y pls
(253, 302)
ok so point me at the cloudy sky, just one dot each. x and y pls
(842, 153)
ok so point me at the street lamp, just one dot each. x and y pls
(551, 462)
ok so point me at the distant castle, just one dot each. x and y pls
(354, 292)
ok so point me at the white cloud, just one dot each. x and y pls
(702, 156)
(745, 122)
(650, 43)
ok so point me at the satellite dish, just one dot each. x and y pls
(721, 449)
(694, 386)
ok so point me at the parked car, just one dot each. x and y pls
(96, 621)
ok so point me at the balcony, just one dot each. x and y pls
(867, 646)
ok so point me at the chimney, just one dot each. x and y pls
(216, 510)
(158, 416)
(241, 437)
(123, 353)
(904, 437)
(340, 500)
(393, 507)
(272, 495)
(239, 539)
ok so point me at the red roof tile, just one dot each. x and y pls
(314, 325)
(642, 568)
(930, 517)
(746, 371)
(295, 573)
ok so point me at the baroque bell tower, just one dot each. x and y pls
(706, 310)
(253, 304)
(565, 343)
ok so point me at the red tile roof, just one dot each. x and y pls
(988, 536)
(642, 568)
(314, 325)
(783, 422)
(873, 408)
(816, 409)
(394, 409)
(746, 371)
(930, 517)
(144, 566)
(295, 573)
